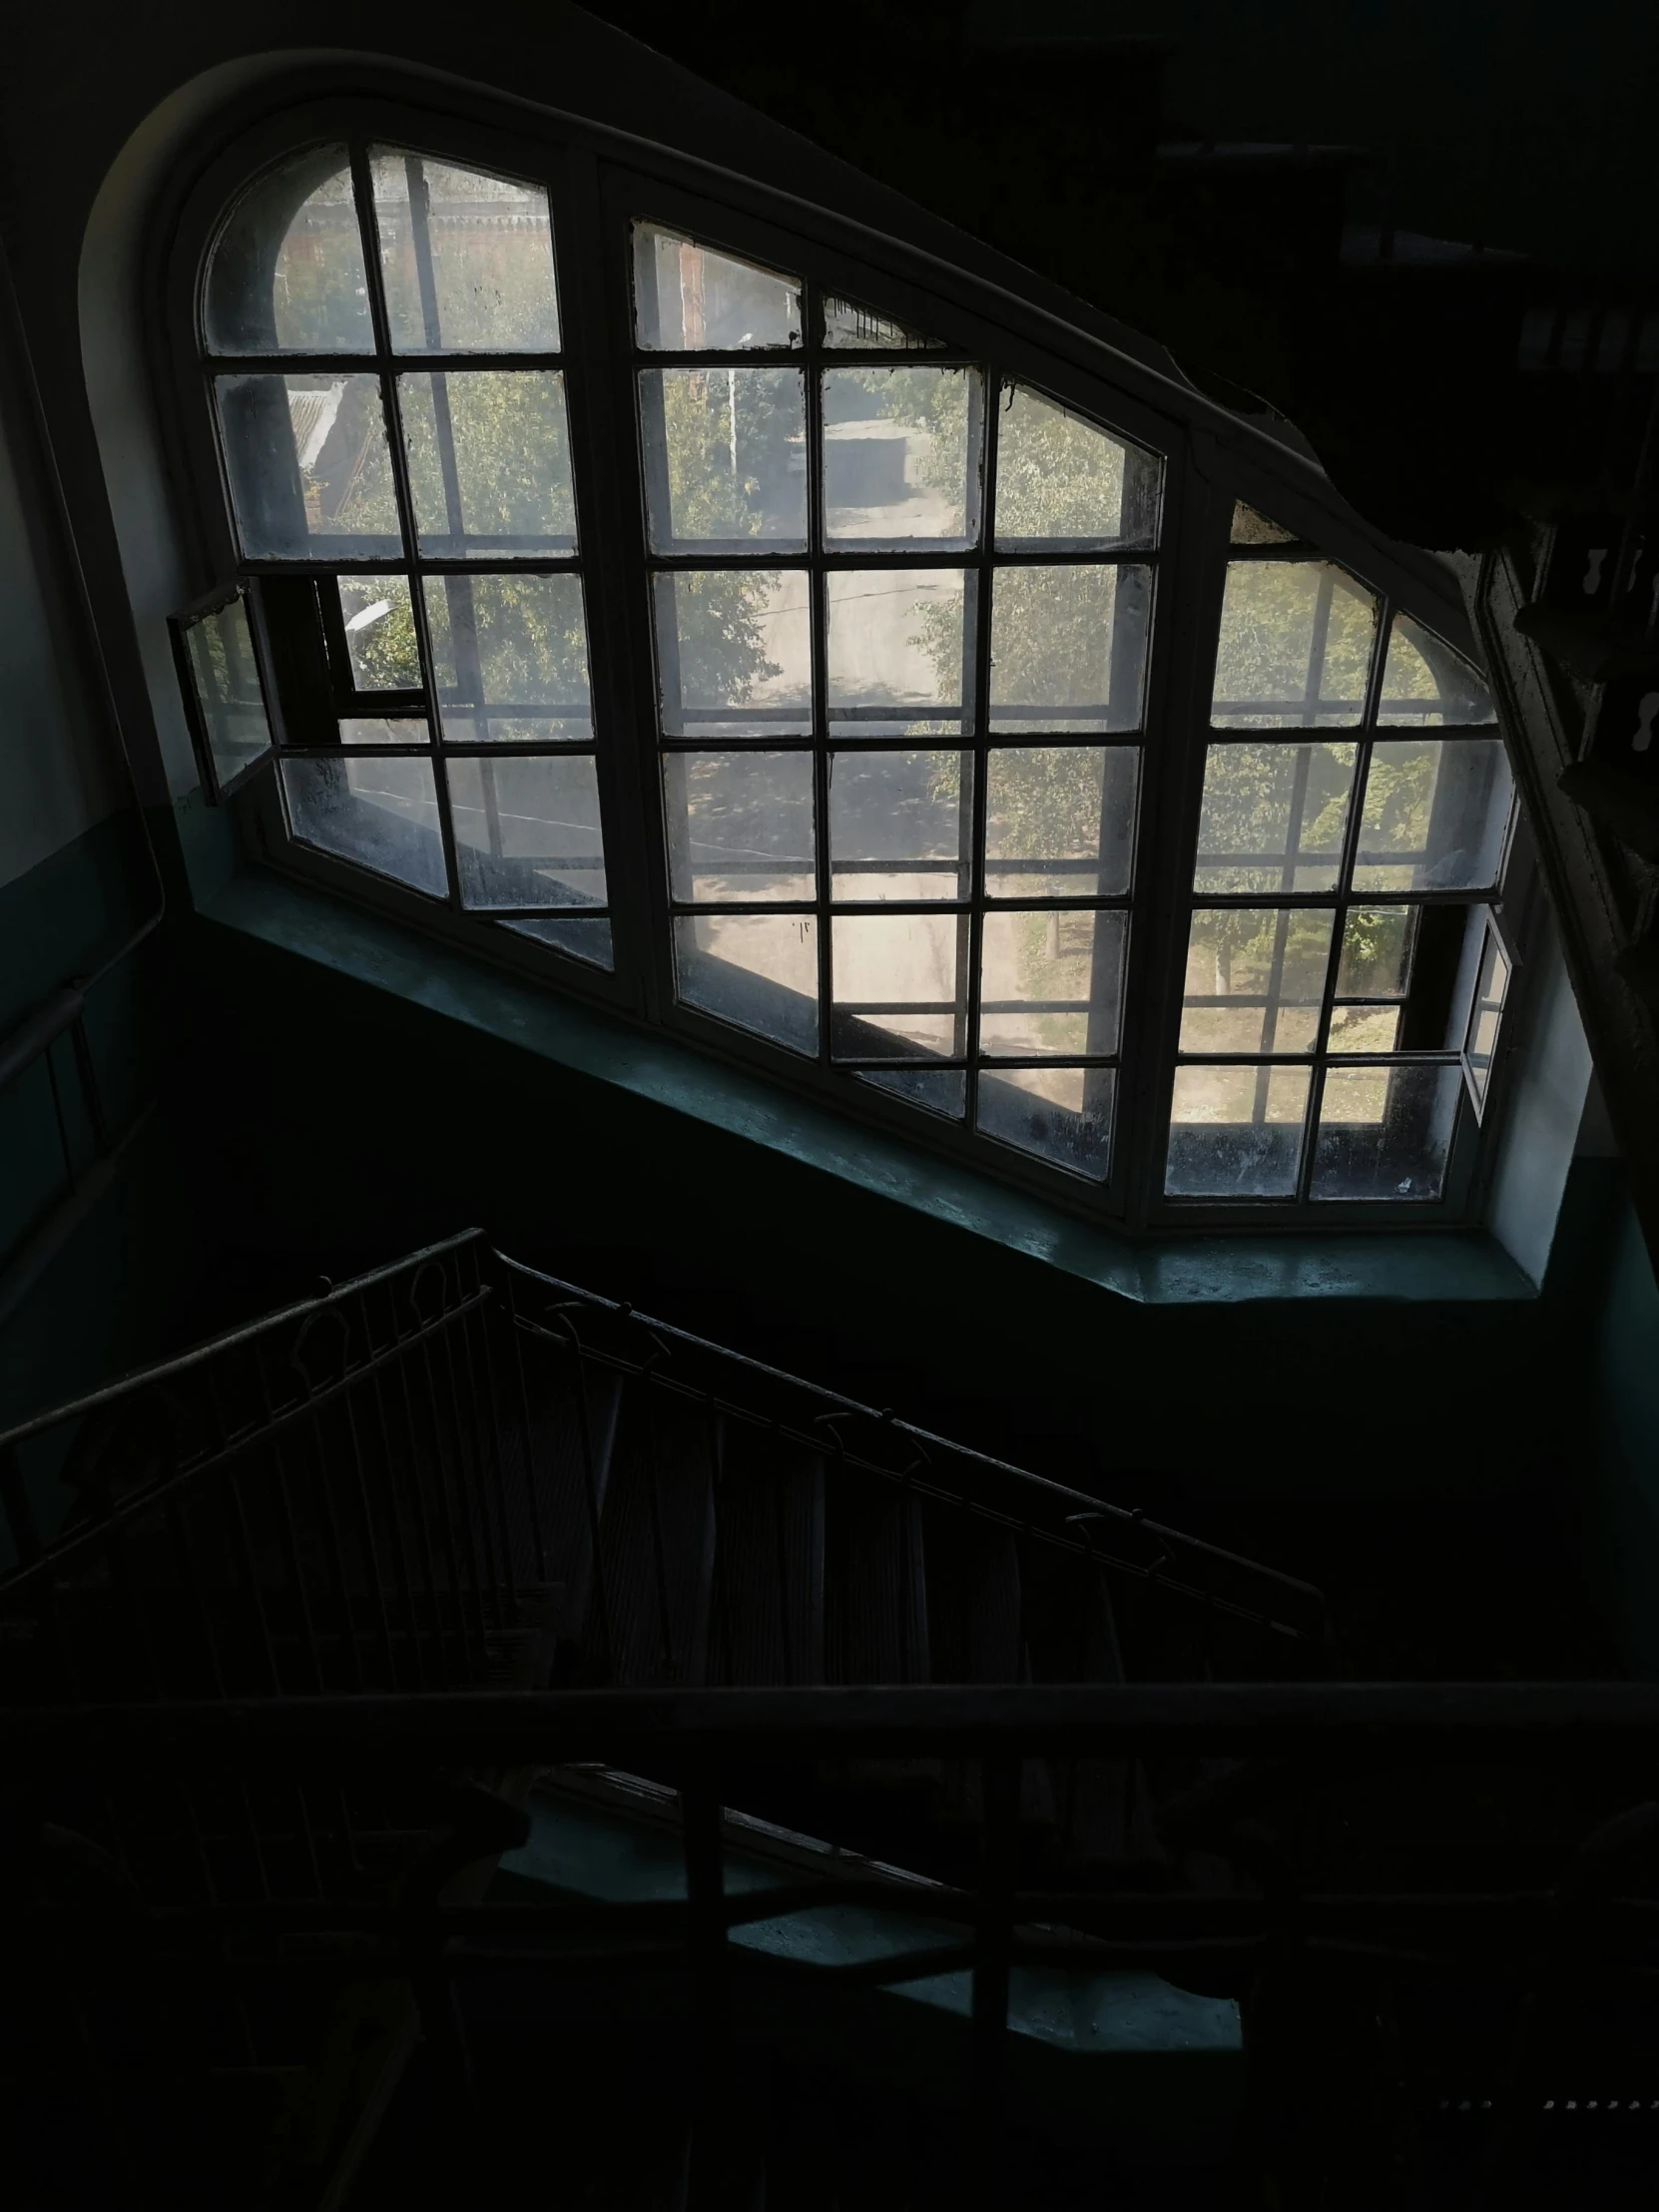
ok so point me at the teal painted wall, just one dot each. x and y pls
(1622, 1325)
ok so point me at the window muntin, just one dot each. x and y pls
(903, 612)
(1330, 921)
(463, 761)
(868, 630)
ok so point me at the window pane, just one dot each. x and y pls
(585, 937)
(739, 825)
(287, 271)
(509, 659)
(1295, 646)
(1236, 1132)
(1062, 481)
(1068, 648)
(1063, 1115)
(896, 985)
(527, 832)
(900, 824)
(384, 730)
(380, 633)
(1425, 681)
(689, 300)
(1273, 817)
(1051, 982)
(756, 970)
(1486, 1017)
(724, 457)
(734, 653)
(1386, 1132)
(937, 1090)
(898, 641)
(467, 259)
(489, 462)
(309, 466)
(1434, 817)
(379, 815)
(1379, 944)
(1377, 951)
(1254, 979)
(902, 455)
(227, 690)
(1060, 821)
(847, 325)
(1251, 529)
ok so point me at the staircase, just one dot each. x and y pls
(460, 1476)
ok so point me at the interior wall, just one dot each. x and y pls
(1526, 126)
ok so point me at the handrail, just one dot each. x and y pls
(1093, 1508)
(244, 1333)
(1339, 1721)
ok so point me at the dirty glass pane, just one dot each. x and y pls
(584, 936)
(1295, 646)
(1255, 978)
(759, 972)
(1060, 821)
(902, 456)
(901, 652)
(489, 462)
(1436, 814)
(1060, 481)
(1425, 682)
(900, 824)
(724, 457)
(384, 730)
(527, 832)
(380, 633)
(309, 466)
(847, 325)
(689, 300)
(1068, 648)
(287, 272)
(937, 1090)
(226, 679)
(896, 985)
(378, 814)
(1236, 1132)
(1251, 529)
(1386, 1132)
(467, 259)
(1051, 982)
(734, 653)
(1273, 817)
(1062, 1115)
(1486, 1017)
(1376, 965)
(740, 825)
(509, 659)
(1377, 951)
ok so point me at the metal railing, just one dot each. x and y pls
(1590, 1926)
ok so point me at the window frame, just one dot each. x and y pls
(598, 183)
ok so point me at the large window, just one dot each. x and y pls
(646, 594)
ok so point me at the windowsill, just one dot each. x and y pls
(1464, 1267)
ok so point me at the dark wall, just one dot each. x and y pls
(1392, 1445)
(1526, 126)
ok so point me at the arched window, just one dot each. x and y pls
(793, 650)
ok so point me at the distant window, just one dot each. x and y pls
(873, 724)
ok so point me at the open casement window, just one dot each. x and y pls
(793, 656)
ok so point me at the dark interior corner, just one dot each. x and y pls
(990, 1265)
